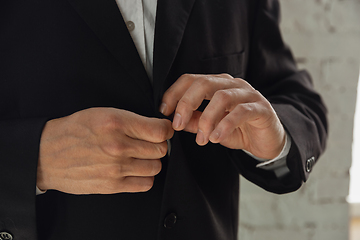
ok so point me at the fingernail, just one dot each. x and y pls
(214, 136)
(177, 121)
(163, 108)
(200, 139)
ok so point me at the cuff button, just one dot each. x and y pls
(6, 236)
(309, 164)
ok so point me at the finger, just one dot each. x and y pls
(134, 148)
(220, 105)
(123, 185)
(193, 124)
(175, 92)
(178, 89)
(146, 150)
(223, 102)
(207, 125)
(241, 114)
(117, 169)
(142, 168)
(202, 88)
(114, 178)
(110, 186)
(148, 129)
(137, 184)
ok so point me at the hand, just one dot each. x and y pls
(102, 150)
(237, 116)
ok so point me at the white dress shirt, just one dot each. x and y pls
(139, 16)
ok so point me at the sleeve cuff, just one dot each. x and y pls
(39, 192)
(283, 154)
(277, 164)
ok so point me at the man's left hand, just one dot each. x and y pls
(237, 116)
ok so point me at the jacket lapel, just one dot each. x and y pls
(105, 19)
(171, 20)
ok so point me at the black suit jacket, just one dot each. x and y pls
(61, 56)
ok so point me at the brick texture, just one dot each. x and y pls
(325, 38)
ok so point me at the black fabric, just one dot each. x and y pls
(61, 56)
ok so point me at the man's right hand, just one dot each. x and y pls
(102, 150)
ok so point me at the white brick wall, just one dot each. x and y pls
(325, 38)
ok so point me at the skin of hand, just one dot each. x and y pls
(237, 116)
(102, 150)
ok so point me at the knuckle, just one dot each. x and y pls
(113, 186)
(169, 95)
(265, 103)
(156, 168)
(115, 148)
(114, 172)
(224, 95)
(205, 122)
(242, 81)
(185, 104)
(164, 131)
(228, 122)
(257, 92)
(110, 122)
(246, 107)
(246, 84)
(156, 150)
(160, 134)
(225, 75)
(162, 149)
(146, 184)
(203, 82)
(188, 76)
(246, 110)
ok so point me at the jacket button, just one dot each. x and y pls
(170, 220)
(5, 236)
(309, 164)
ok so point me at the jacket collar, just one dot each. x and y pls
(171, 20)
(105, 19)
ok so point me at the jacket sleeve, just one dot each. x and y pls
(272, 71)
(19, 149)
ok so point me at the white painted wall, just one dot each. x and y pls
(325, 38)
(354, 194)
